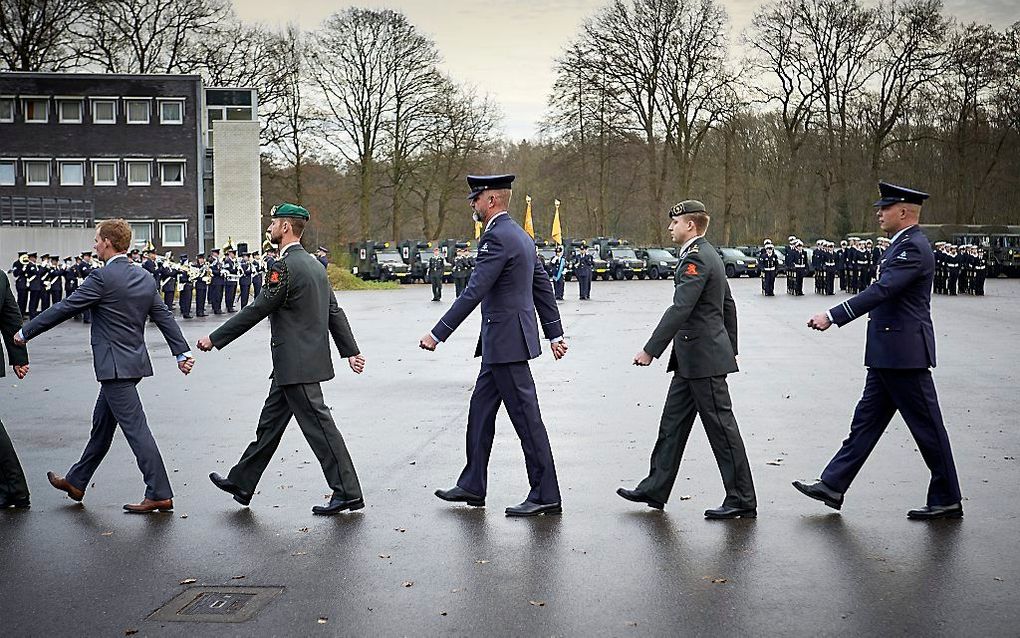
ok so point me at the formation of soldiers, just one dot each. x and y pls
(959, 269)
(223, 284)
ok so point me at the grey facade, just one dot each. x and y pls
(132, 145)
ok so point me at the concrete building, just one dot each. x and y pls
(79, 148)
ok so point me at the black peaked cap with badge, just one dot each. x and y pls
(481, 183)
(893, 194)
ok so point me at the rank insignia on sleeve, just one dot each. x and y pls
(274, 277)
(691, 270)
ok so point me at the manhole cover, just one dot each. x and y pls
(209, 603)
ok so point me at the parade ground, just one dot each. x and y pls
(409, 564)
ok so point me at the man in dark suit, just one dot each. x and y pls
(899, 353)
(702, 326)
(510, 284)
(303, 315)
(121, 298)
(13, 487)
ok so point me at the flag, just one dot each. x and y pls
(478, 229)
(529, 226)
(557, 232)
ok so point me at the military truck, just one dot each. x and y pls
(660, 262)
(378, 261)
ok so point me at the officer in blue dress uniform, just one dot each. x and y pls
(84, 268)
(167, 278)
(201, 285)
(510, 284)
(245, 269)
(557, 269)
(187, 286)
(231, 275)
(584, 270)
(20, 277)
(256, 274)
(56, 280)
(34, 282)
(149, 264)
(899, 353)
(218, 282)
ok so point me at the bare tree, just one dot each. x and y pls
(34, 34)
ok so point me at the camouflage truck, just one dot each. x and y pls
(378, 261)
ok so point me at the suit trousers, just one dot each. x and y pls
(119, 404)
(912, 392)
(708, 398)
(12, 477)
(512, 385)
(305, 402)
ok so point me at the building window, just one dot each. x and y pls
(172, 233)
(104, 173)
(69, 111)
(37, 172)
(72, 173)
(171, 173)
(6, 109)
(210, 226)
(37, 110)
(171, 111)
(7, 172)
(104, 112)
(139, 173)
(141, 233)
(137, 111)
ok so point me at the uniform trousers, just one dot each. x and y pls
(584, 286)
(912, 393)
(512, 385)
(709, 398)
(13, 486)
(119, 404)
(303, 401)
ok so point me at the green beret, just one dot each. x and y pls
(687, 206)
(288, 210)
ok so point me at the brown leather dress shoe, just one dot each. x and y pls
(148, 506)
(61, 484)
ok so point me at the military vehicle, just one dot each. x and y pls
(378, 261)
(737, 263)
(621, 260)
(661, 263)
(1001, 243)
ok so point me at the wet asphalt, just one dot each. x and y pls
(409, 564)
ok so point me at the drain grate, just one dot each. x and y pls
(209, 603)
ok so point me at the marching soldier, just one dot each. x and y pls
(218, 282)
(584, 269)
(435, 274)
(34, 282)
(768, 262)
(246, 270)
(187, 286)
(231, 275)
(202, 284)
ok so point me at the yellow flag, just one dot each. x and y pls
(529, 226)
(478, 229)
(557, 232)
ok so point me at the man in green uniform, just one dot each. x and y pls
(13, 488)
(303, 314)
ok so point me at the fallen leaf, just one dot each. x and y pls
(188, 581)
(537, 603)
(408, 583)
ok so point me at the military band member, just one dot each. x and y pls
(149, 264)
(56, 279)
(303, 316)
(70, 272)
(167, 281)
(841, 265)
(245, 270)
(768, 262)
(980, 272)
(818, 266)
(231, 275)
(701, 327)
(216, 287)
(790, 260)
(322, 254)
(508, 282)
(899, 355)
(830, 266)
(953, 270)
(800, 265)
(20, 275)
(864, 265)
(45, 276)
(186, 283)
(201, 284)
(257, 273)
(584, 270)
(33, 279)
(84, 269)
(461, 269)
(436, 266)
(963, 283)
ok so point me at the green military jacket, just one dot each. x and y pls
(303, 314)
(10, 323)
(702, 322)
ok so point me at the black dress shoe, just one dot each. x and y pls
(16, 503)
(337, 505)
(242, 497)
(929, 512)
(821, 492)
(531, 508)
(723, 512)
(458, 495)
(640, 497)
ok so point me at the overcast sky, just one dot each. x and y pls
(515, 65)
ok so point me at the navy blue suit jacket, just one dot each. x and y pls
(510, 284)
(900, 331)
(121, 296)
